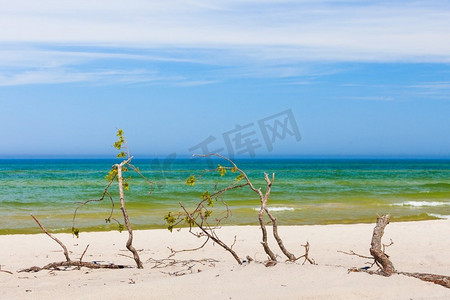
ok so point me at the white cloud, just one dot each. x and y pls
(96, 77)
(372, 98)
(302, 30)
(43, 39)
(437, 89)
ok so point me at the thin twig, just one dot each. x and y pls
(66, 253)
(84, 252)
(5, 271)
(356, 254)
(173, 252)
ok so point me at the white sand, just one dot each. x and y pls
(418, 247)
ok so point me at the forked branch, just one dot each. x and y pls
(211, 235)
(263, 196)
(68, 262)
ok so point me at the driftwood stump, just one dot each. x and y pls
(381, 258)
(384, 263)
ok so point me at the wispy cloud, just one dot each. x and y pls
(94, 77)
(440, 85)
(436, 89)
(308, 30)
(261, 38)
(371, 98)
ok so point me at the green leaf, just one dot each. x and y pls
(189, 221)
(239, 177)
(111, 174)
(170, 219)
(118, 145)
(206, 196)
(191, 180)
(76, 232)
(222, 170)
(207, 213)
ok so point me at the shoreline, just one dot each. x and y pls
(104, 227)
(419, 246)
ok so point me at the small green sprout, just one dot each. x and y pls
(239, 177)
(170, 220)
(191, 180)
(76, 232)
(222, 170)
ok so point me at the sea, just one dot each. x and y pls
(305, 191)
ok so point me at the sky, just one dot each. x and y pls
(247, 78)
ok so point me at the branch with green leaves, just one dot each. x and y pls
(240, 181)
(200, 217)
(116, 175)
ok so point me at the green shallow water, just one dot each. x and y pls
(304, 192)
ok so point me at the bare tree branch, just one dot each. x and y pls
(66, 253)
(306, 255)
(173, 252)
(211, 235)
(5, 271)
(68, 262)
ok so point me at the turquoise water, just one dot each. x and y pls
(304, 192)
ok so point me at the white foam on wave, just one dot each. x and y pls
(280, 208)
(445, 217)
(421, 203)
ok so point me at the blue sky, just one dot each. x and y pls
(361, 78)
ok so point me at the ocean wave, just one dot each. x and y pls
(445, 217)
(421, 203)
(279, 208)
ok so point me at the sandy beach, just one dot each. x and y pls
(212, 273)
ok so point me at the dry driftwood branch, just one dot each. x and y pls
(73, 263)
(387, 268)
(66, 253)
(437, 279)
(211, 235)
(173, 252)
(84, 252)
(306, 255)
(264, 197)
(355, 254)
(68, 263)
(385, 264)
(5, 271)
(169, 262)
(187, 266)
(264, 242)
(274, 220)
(377, 250)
